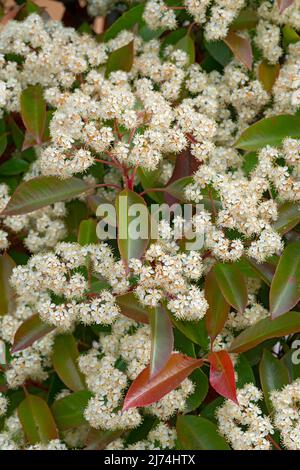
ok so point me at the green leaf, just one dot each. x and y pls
(269, 131)
(266, 329)
(291, 360)
(219, 51)
(126, 21)
(68, 411)
(3, 137)
(42, 191)
(267, 74)
(195, 331)
(37, 421)
(244, 372)
(162, 339)
(7, 303)
(247, 19)
(65, 354)
(290, 36)
(232, 284)
(273, 376)
(87, 232)
(285, 287)
(265, 270)
(133, 230)
(288, 217)
(196, 433)
(33, 111)
(187, 45)
(98, 440)
(177, 188)
(201, 388)
(218, 310)
(17, 134)
(32, 329)
(14, 166)
(120, 59)
(131, 308)
(149, 179)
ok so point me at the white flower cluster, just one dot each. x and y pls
(244, 425)
(287, 414)
(168, 273)
(158, 14)
(43, 227)
(49, 275)
(128, 344)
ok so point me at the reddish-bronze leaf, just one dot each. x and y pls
(30, 331)
(221, 375)
(240, 47)
(144, 391)
(283, 4)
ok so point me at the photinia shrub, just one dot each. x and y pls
(150, 225)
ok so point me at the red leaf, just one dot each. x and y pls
(240, 47)
(283, 4)
(12, 13)
(144, 391)
(221, 375)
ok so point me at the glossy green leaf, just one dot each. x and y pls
(87, 232)
(247, 19)
(33, 111)
(187, 45)
(269, 131)
(65, 354)
(218, 310)
(150, 179)
(197, 433)
(133, 221)
(162, 339)
(266, 329)
(232, 284)
(132, 308)
(126, 21)
(3, 137)
(7, 303)
(98, 439)
(42, 191)
(68, 412)
(120, 59)
(219, 51)
(201, 388)
(290, 36)
(291, 360)
(14, 166)
(244, 372)
(195, 331)
(177, 188)
(273, 376)
(264, 270)
(36, 420)
(267, 74)
(288, 217)
(16, 133)
(285, 287)
(32, 329)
